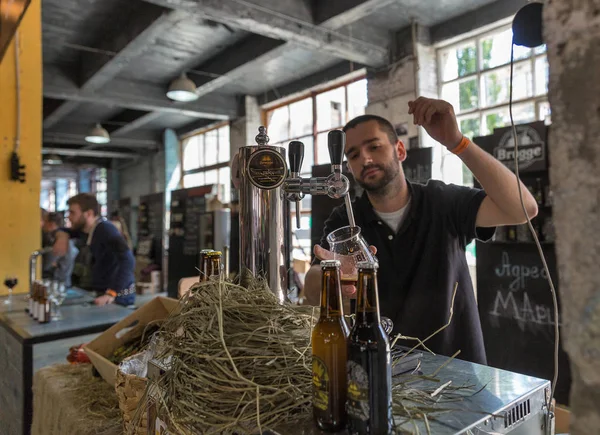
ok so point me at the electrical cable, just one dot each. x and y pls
(18, 95)
(532, 230)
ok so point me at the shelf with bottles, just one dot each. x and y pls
(515, 234)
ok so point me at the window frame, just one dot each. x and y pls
(480, 72)
(217, 166)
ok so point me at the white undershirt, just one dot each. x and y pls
(395, 218)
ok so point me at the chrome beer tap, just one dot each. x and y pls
(336, 185)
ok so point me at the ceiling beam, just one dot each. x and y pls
(320, 78)
(99, 68)
(475, 19)
(62, 138)
(225, 65)
(89, 153)
(275, 22)
(338, 13)
(136, 123)
(193, 127)
(144, 96)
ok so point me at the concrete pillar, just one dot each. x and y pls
(244, 129)
(20, 230)
(572, 33)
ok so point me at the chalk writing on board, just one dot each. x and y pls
(518, 306)
(519, 273)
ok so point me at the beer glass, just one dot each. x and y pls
(349, 247)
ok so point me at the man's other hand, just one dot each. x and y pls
(104, 300)
(348, 267)
(438, 119)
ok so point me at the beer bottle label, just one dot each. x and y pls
(358, 392)
(320, 377)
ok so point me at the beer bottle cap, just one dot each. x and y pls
(330, 263)
(214, 254)
(206, 251)
(372, 265)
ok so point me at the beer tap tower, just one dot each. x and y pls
(266, 189)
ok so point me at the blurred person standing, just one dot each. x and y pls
(105, 262)
(58, 267)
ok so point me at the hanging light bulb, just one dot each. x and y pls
(98, 134)
(182, 89)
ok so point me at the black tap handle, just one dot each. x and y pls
(296, 155)
(336, 141)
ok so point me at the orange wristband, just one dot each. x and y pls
(111, 293)
(461, 147)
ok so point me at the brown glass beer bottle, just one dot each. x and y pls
(329, 353)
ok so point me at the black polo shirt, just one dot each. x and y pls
(420, 264)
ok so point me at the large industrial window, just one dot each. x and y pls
(206, 158)
(474, 75)
(308, 119)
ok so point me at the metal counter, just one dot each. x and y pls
(508, 403)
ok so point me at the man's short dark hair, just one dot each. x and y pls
(86, 201)
(385, 125)
(55, 218)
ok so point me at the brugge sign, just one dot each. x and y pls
(531, 151)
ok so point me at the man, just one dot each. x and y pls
(420, 232)
(56, 267)
(105, 253)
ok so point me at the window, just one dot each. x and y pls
(474, 75)
(308, 120)
(100, 189)
(206, 159)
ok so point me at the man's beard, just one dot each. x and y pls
(379, 187)
(78, 225)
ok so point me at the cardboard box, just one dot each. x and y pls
(133, 325)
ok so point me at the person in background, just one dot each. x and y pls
(420, 232)
(121, 225)
(54, 267)
(105, 255)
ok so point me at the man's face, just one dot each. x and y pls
(372, 158)
(76, 217)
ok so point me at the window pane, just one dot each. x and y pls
(322, 149)
(190, 154)
(462, 95)
(211, 177)
(210, 148)
(301, 118)
(458, 61)
(544, 111)
(495, 84)
(225, 182)
(331, 109)
(539, 50)
(542, 74)
(470, 126)
(497, 118)
(357, 98)
(278, 124)
(309, 155)
(224, 144)
(200, 139)
(193, 180)
(495, 50)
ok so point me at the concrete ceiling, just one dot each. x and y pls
(111, 61)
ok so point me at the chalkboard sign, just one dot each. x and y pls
(186, 207)
(515, 307)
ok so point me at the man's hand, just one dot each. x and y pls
(438, 119)
(348, 266)
(104, 300)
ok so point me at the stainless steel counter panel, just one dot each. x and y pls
(516, 400)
